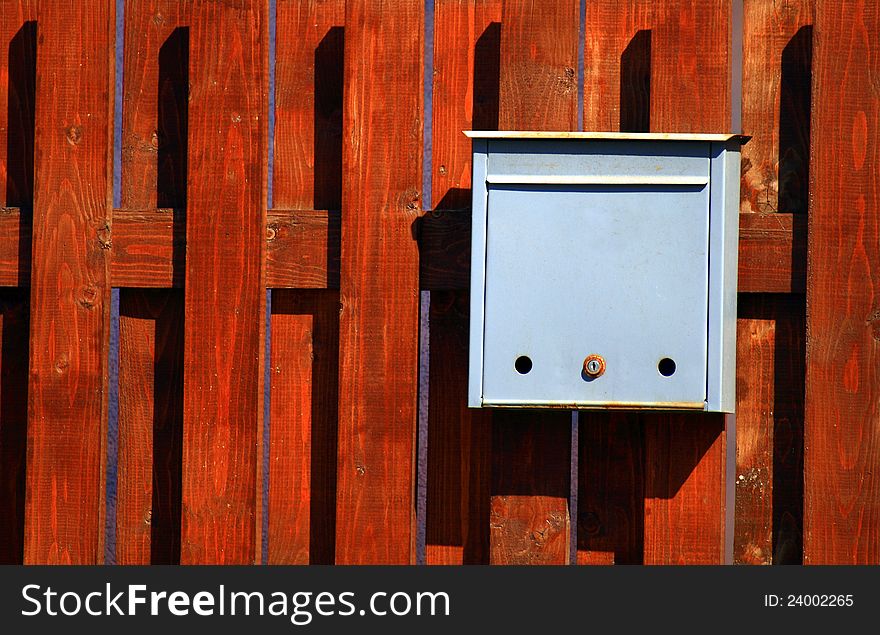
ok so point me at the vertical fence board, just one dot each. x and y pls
(467, 50)
(776, 105)
(684, 454)
(617, 93)
(769, 446)
(69, 287)
(154, 136)
(841, 440)
(305, 324)
(531, 451)
(379, 282)
(225, 281)
(18, 35)
(150, 427)
(777, 42)
(660, 67)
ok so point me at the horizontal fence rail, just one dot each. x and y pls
(293, 301)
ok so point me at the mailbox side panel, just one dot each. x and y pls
(723, 257)
(478, 272)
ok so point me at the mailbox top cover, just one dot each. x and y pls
(604, 270)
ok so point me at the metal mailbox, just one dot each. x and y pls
(603, 270)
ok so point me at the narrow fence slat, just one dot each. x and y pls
(467, 51)
(18, 36)
(70, 294)
(531, 450)
(150, 427)
(770, 342)
(379, 282)
(305, 324)
(611, 459)
(777, 46)
(660, 67)
(154, 135)
(225, 281)
(684, 454)
(841, 440)
(769, 422)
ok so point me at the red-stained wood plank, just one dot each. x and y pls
(18, 36)
(302, 451)
(611, 470)
(304, 252)
(70, 305)
(684, 453)
(150, 426)
(617, 65)
(769, 422)
(467, 52)
(531, 451)
(777, 46)
(379, 281)
(154, 133)
(225, 281)
(772, 253)
(14, 326)
(841, 440)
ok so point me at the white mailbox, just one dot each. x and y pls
(603, 271)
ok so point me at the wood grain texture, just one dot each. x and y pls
(531, 455)
(617, 65)
(841, 441)
(303, 252)
(379, 322)
(611, 482)
(777, 47)
(611, 453)
(69, 284)
(684, 454)
(150, 426)
(18, 37)
(772, 253)
(154, 161)
(459, 443)
(225, 281)
(769, 448)
(655, 67)
(302, 450)
(14, 318)
(467, 50)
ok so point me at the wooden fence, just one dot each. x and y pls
(371, 455)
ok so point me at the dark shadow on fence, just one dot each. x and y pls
(162, 311)
(14, 313)
(459, 439)
(322, 308)
(635, 84)
(173, 113)
(487, 78)
(329, 80)
(20, 137)
(794, 122)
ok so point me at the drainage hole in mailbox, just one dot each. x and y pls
(523, 364)
(666, 366)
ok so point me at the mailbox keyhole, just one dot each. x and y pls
(666, 367)
(523, 364)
